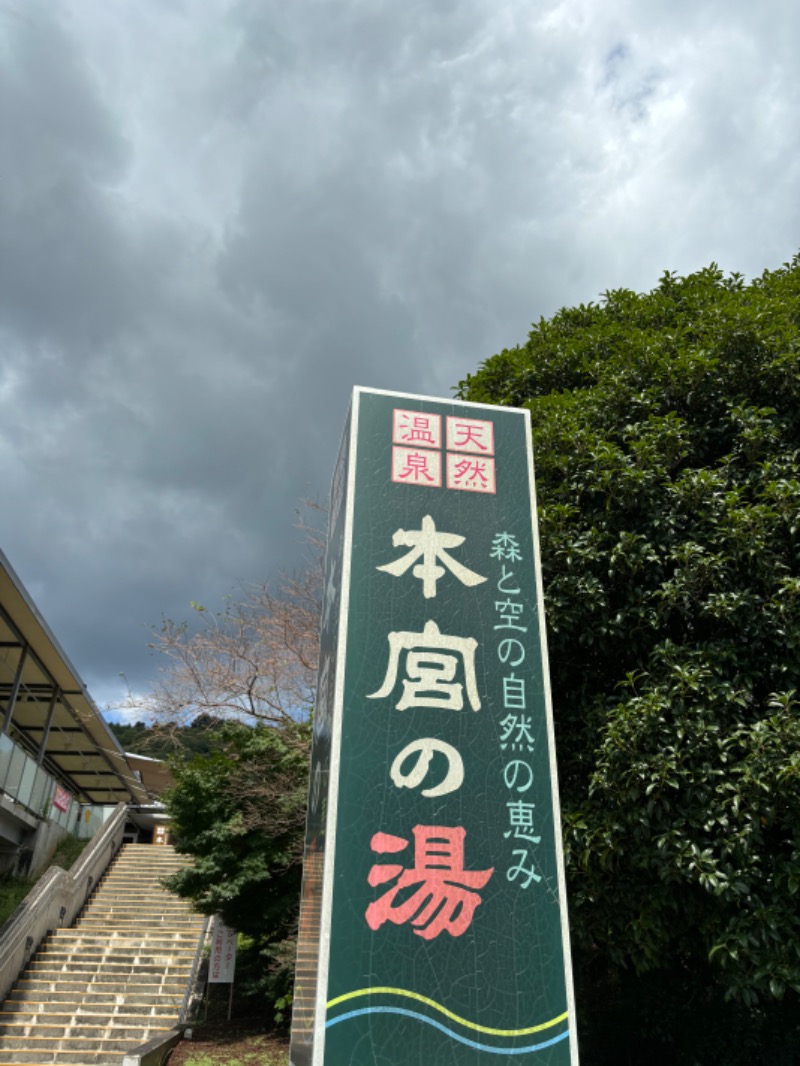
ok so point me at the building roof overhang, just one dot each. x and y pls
(79, 747)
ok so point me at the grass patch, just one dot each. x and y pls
(12, 893)
(257, 1057)
(67, 852)
(13, 890)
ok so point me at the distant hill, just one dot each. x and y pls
(159, 742)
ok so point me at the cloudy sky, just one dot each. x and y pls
(217, 216)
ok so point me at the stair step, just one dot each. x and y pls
(48, 1016)
(139, 872)
(71, 1030)
(49, 1044)
(143, 975)
(129, 925)
(132, 882)
(138, 899)
(138, 902)
(140, 917)
(137, 886)
(96, 996)
(88, 936)
(107, 971)
(116, 915)
(143, 955)
(81, 960)
(94, 987)
(134, 870)
(122, 922)
(128, 878)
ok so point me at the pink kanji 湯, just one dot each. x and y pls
(446, 898)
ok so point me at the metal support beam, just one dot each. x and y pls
(67, 692)
(12, 696)
(48, 722)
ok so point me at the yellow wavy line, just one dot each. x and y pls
(445, 1011)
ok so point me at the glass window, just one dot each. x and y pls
(38, 792)
(26, 783)
(15, 769)
(6, 749)
(47, 801)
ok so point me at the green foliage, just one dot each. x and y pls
(251, 1051)
(162, 741)
(282, 1006)
(68, 851)
(133, 736)
(240, 813)
(12, 892)
(667, 440)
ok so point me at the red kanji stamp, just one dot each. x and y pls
(471, 474)
(415, 466)
(416, 427)
(470, 435)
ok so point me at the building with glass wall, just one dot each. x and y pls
(60, 763)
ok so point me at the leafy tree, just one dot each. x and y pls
(131, 735)
(667, 439)
(240, 687)
(240, 813)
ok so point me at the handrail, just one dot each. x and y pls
(108, 835)
(56, 899)
(193, 974)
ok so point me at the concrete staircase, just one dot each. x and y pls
(114, 980)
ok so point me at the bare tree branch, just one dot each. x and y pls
(255, 661)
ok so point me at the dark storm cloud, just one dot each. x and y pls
(64, 273)
(217, 217)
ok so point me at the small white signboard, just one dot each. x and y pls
(223, 954)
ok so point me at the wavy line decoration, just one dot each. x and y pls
(464, 1022)
(443, 1028)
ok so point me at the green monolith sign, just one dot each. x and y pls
(433, 927)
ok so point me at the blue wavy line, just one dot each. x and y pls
(448, 1032)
